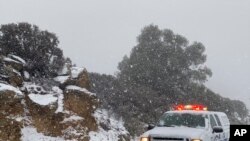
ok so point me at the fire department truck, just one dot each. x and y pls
(189, 123)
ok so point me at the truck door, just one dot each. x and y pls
(214, 136)
(222, 135)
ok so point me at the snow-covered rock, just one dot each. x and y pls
(26, 75)
(50, 113)
(14, 62)
(75, 71)
(11, 111)
(5, 87)
(12, 67)
(7, 59)
(78, 77)
(60, 97)
(17, 58)
(72, 87)
(43, 99)
(61, 79)
(72, 118)
(34, 88)
(29, 133)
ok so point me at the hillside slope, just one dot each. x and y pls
(54, 109)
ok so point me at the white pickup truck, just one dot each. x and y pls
(189, 123)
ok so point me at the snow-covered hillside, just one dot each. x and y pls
(109, 128)
(55, 109)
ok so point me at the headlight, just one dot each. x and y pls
(144, 138)
(196, 140)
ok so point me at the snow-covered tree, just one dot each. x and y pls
(37, 47)
(164, 60)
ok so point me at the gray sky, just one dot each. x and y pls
(97, 34)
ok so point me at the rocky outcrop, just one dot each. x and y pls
(13, 63)
(44, 118)
(14, 77)
(79, 100)
(76, 119)
(12, 69)
(83, 105)
(80, 103)
(11, 110)
(48, 112)
(11, 99)
(77, 77)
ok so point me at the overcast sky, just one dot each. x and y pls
(97, 34)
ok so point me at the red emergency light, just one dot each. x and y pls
(190, 107)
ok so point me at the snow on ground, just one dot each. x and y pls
(72, 131)
(60, 99)
(61, 79)
(43, 99)
(72, 87)
(38, 95)
(116, 127)
(18, 58)
(5, 87)
(72, 118)
(75, 71)
(34, 88)
(26, 75)
(30, 133)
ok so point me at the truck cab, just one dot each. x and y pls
(189, 123)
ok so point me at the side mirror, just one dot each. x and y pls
(217, 129)
(150, 126)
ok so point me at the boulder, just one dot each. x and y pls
(84, 105)
(83, 80)
(80, 79)
(15, 80)
(13, 77)
(78, 102)
(13, 63)
(44, 118)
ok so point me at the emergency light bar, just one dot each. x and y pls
(190, 107)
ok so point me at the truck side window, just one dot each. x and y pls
(212, 121)
(217, 119)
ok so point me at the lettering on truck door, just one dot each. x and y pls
(222, 136)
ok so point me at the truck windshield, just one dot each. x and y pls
(182, 119)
